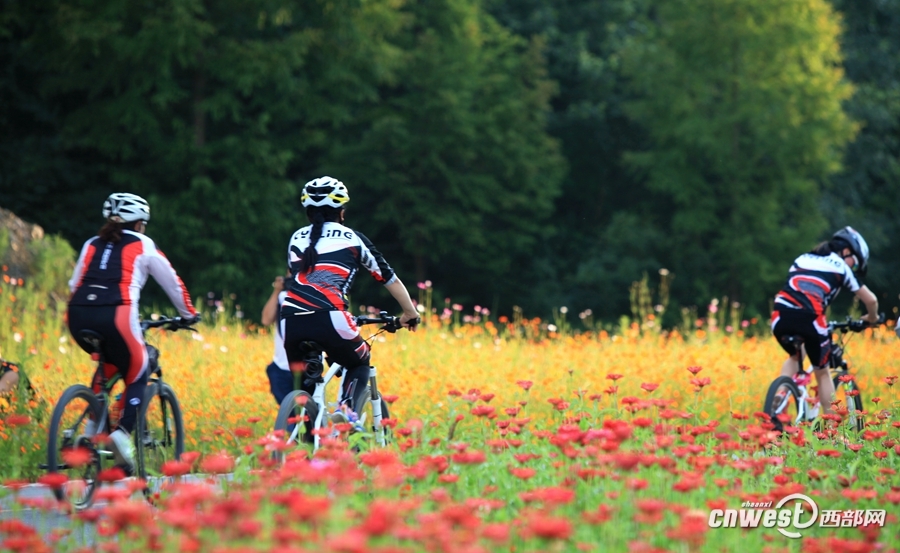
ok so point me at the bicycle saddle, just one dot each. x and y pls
(310, 349)
(91, 338)
(793, 341)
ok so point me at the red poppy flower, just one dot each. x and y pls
(523, 473)
(649, 386)
(525, 384)
(111, 475)
(190, 457)
(549, 528)
(217, 463)
(694, 370)
(53, 479)
(482, 410)
(390, 398)
(379, 457)
(175, 468)
(17, 420)
(77, 457)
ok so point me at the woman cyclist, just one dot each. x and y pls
(813, 282)
(324, 257)
(106, 288)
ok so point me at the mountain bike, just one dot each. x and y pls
(790, 396)
(158, 434)
(301, 414)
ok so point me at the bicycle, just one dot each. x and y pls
(791, 395)
(158, 434)
(300, 414)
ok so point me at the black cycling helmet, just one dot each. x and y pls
(858, 246)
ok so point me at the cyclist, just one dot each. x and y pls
(106, 288)
(814, 280)
(281, 381)
(324, 257)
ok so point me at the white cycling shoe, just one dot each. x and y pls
(123, 448)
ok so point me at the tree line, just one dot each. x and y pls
(514, 152)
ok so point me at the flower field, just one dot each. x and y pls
(508, 437)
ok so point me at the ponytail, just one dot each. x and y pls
(309, 256)
(835, 245)
(111, 232)
(317, 216)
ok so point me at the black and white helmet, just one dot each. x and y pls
(126, 208)
(324, 191)
(858, 246)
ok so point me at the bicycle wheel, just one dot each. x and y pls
(159, 432)
(67, 433)
(380, 436)
(783, 398)
(297, 419)
(850, 397)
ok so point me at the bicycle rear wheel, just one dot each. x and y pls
(783, 398)
(850, 397)
(379, 436)
(159, 433)
(297, 418)
(75, 408)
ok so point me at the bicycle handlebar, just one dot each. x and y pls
(391, 324)
(855, 326)
(170, 323)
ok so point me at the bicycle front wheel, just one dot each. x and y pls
(850, 397)
(782, 400)
(159, 433)
(380, 433)
(70, 450)
(297, 418)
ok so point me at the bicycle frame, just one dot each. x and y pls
(318, 397)
(809, 407)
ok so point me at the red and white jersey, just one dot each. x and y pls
(110, 273)
(814, 281)
(341, 253)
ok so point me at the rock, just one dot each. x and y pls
(16, 238)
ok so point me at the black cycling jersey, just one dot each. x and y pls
(814, 281)
(341, 252)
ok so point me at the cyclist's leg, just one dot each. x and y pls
(349, 349)
(781, 327)
(128, 352)
(819, 357)
(100, 320)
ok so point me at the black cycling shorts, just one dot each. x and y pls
(812, 327)
(334, 331)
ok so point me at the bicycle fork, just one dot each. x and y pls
(377, 415)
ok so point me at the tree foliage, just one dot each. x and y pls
(531, 152)
(865, 194)
(742, 103)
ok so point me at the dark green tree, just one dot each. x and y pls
(742, 102)
(865, 194)
(208, 109)
(452, 172)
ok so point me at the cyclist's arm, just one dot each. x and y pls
(381, 271)
(870, 301)
(401, 294)
(270, 310)
(161, 270)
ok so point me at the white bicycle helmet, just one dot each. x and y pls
(858, 246)
(324, 191)
(126, 208)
